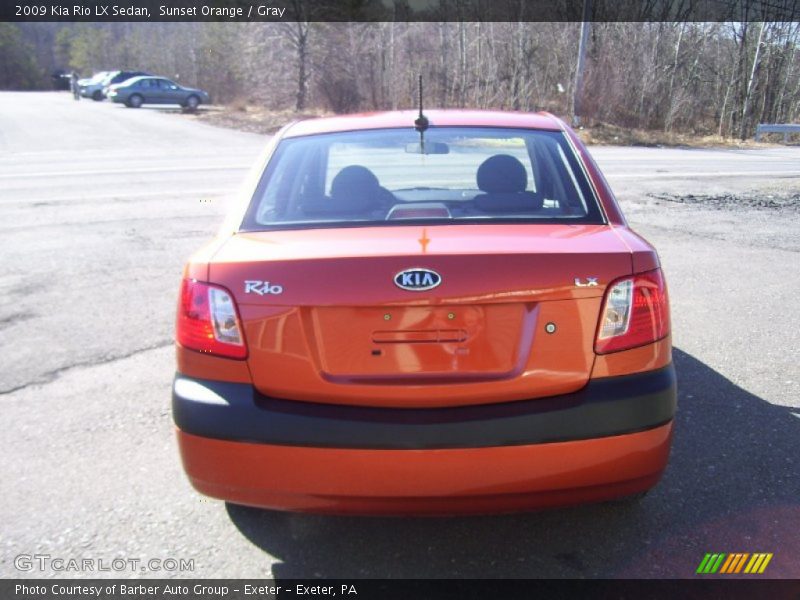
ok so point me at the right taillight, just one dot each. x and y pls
(208, 320)
(635, 312)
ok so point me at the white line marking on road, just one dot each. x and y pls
(690, 174)
(203, 193)
(126, 171)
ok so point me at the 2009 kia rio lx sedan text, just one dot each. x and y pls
(441, 317)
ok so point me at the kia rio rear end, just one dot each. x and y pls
(441, 319)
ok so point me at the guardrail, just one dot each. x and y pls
(785, 129)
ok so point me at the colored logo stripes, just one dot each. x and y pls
(734, 563)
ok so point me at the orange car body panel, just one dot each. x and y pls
(636, 360)
(437, 118)
(426, 481)
(345, 337)
(325, 344)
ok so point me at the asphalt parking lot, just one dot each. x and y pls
(101, 205)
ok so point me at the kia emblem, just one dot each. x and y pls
(417, 279)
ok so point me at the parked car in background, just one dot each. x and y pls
(61, 80)
(453, 319)
(156, 90)
(95, 88)
(121, 77)
(92, 87)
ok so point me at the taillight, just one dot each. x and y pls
(208, 320)
(635, 312)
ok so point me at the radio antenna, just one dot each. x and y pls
(421, 123)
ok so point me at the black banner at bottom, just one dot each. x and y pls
(386, 589)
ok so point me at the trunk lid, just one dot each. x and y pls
(324, 320)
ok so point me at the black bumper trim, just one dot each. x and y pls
(604, 407)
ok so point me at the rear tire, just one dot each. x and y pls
(191, 104)
(135, 101)
(97, 96)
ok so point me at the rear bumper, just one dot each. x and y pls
(604, 407)
(612, 438)
(462, 480)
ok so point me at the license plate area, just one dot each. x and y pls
(437, 336)
(476, 340)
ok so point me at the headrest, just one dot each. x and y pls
(502, 173)
(354, 182)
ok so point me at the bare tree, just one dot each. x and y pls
(679, 76)
(297, 32)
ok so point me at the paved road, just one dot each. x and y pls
(100, 206)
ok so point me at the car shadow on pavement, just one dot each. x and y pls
(732, 485)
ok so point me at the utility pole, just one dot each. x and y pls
(749, 90)
(577, 89)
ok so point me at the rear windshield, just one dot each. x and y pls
(452, 174)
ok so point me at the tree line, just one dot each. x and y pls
(683, 76)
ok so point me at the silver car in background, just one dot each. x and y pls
(156, 90)
(96, 87)
(92, 87)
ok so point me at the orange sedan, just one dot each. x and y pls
(426, 315)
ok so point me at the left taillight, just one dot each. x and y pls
(635, 312)
(208, 320)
